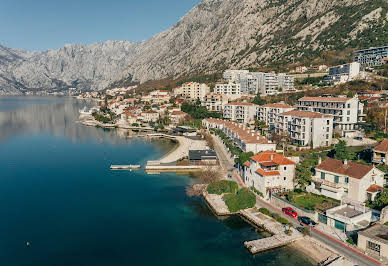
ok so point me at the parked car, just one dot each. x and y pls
(358, 138)
(290, 211)
(307, 221)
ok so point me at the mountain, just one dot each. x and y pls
(214, 35)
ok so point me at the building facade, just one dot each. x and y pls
(248, 140)
(269, 112)
(306, 128)
(372, 57)
(374, 240)
(232, 90)
(215, 102)
(269, 172)
(343, 73)
(347, 112)
(192, 91)
(380, 153)
(347, 180)
(241, 112)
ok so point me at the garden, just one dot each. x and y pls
(310, 201)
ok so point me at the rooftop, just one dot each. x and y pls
(271, 157)
(383, 146)
(202, 154)
(374, 188)
(308, 114)
(325, 99)
(354, 170)
(378, 232)
(277, 105)
(241, 103)
(348, 212)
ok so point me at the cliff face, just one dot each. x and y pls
(214, 35)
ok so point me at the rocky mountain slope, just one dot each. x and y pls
(214, 35)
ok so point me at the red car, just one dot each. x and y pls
(290, 211)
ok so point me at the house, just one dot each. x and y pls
(269, 172)
(380, 153)
(347, 112)
(177, 116)
(269, 112)
(128, 117)
(248, 140)
(374, 240)
(202, 157)
(241, 112)
(149, 116)
(347, 180)
(306, 128)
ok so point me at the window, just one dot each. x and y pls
(374, 247)
(348, 112)
(327, 136)
(348, 119)
(284, 178)
(322, 175)
(285, 167)
(336, 179)
(346, 180)
(327, 129)
(348, 105)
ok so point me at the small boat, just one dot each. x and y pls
(84, 112)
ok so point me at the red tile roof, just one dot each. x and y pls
(383, 146)
(354, 170)
(178, 113)
(324, 99)
(270, 156)
(241, 103)
(374, 188)
(266, 173)
(308, 114)
(247, 163)
(277, 105)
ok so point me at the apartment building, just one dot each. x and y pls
(306, 128)
(192, 91)
(241, 112)
(269, 112)
(347, 112)
(347, 180)
(269, 172)
(232, 90)
(343, 73)
(215, 102)
(248, 140)
(259, 82)
(149, 116)
(371, 57)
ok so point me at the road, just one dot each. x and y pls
(228, 165)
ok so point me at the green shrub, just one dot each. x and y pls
(232, 202)
(350, 241)
(265, 211)
(305, 231)
(222, 186)
(243, 199)
(256, 191)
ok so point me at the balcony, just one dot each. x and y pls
(378, 160)
(325, 184)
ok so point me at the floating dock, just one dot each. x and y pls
(125, 167)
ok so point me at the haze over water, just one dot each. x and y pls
(57, 192)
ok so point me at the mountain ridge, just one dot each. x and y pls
(214, 35)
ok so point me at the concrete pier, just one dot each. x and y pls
(124, 167)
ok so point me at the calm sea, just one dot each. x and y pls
(57, 192)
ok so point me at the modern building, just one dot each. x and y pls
(241, 112)
(343, 73)
(269, 112)
(380, 153)
(306, 128)
(234, 75)
(232, 90)
(347, 180)
(215, 102)
(248, 140)
(286, 82)
(374, 240)
(347, 112)
(269, 172)
(192, 91)
(206, 157)
(371, 57)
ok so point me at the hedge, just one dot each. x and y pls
(222, 186)
(275, 216)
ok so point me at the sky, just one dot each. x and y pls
(50, 24)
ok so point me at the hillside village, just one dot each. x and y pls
(314, 138)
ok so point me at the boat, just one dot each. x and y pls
(84, 112)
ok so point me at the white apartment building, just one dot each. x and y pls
(248, 140)
(241, 112)
(192, 90)
(306, 128)
(347, 112)
(231, 90)
(269, 172)
(215, 102)
(346, 180)
(234, 75)
(372, 57)
(269, 112)
(343, 73)
(259, 82)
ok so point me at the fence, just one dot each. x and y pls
(282, 203)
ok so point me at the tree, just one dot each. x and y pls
(260, 124)
(341, 151)
(381, 200)
(258, 100)
(303, 172)
(244, 156)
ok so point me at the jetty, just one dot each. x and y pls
(125, 167)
